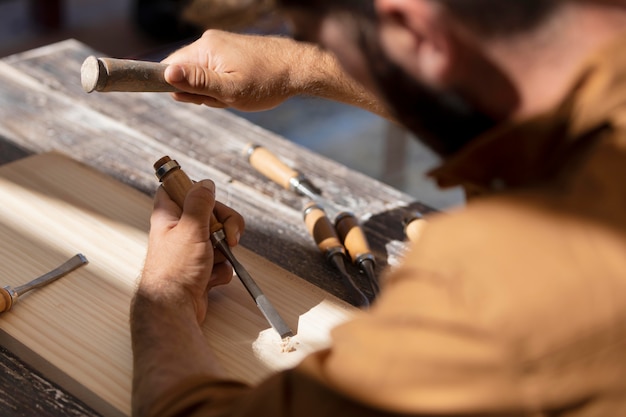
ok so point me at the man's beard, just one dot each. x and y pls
(443, 120)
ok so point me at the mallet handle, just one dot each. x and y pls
(112, 74)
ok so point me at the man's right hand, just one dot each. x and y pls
(245, 72)
(255, 73)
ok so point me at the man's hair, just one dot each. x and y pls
(487, 17)
(500, 17)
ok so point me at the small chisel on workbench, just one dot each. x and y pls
(414, 225)
(9, 296)
(347, 225)
(113, 74)
(177, 184)
(323, 232)
(273, 168)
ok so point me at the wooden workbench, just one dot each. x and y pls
(43, 108)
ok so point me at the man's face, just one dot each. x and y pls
(442, 119)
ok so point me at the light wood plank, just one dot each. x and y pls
(76, 330)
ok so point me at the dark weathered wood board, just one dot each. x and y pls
(25, 392)
(122, 134)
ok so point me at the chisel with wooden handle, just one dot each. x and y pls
(9, 296)
(354, 240)
(177, 184)
(273, 168)
(113, 74)
(323, 232)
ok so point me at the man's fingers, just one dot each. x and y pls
(175, 74)
(233, 223)
(196, 216)
(198, 85)
(222, 274)
(194, 79)
(165, 210)
(188, 78)
(198, 207)
(199, 99)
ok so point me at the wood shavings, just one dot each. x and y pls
(287, 345)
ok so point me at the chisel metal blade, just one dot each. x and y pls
(268, 310)
(272, 316)
(68, 266)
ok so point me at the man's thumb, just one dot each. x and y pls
(189, 78)
(199, 204)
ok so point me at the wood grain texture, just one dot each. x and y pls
(76, 330)
(31, 394)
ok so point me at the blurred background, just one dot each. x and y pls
(151, 29)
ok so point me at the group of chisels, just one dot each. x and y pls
(336, 240)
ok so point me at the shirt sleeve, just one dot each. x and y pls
(289, 393)
(416, 351)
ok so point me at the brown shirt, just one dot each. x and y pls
(514, 305)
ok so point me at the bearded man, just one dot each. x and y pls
(514, 305)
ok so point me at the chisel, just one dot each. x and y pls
(176, 183)
(354, 240)
(273, 168)
(9, 296)
(323, 232)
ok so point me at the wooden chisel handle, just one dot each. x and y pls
(269, 165)
(353, 237)
(7, 298)
(112, 74)
(9, 295)
(414, 227)
(177, 184)
(355, 242)
(322, 230)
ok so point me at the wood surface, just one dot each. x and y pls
(31, 394)
(76, 329)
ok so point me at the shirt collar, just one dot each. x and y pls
(519, 154)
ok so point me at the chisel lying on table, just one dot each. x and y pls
(9, 296)
(177, 184)
(322, 231)
(273, 168)
(414, 225)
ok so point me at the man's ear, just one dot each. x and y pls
(415, 36)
